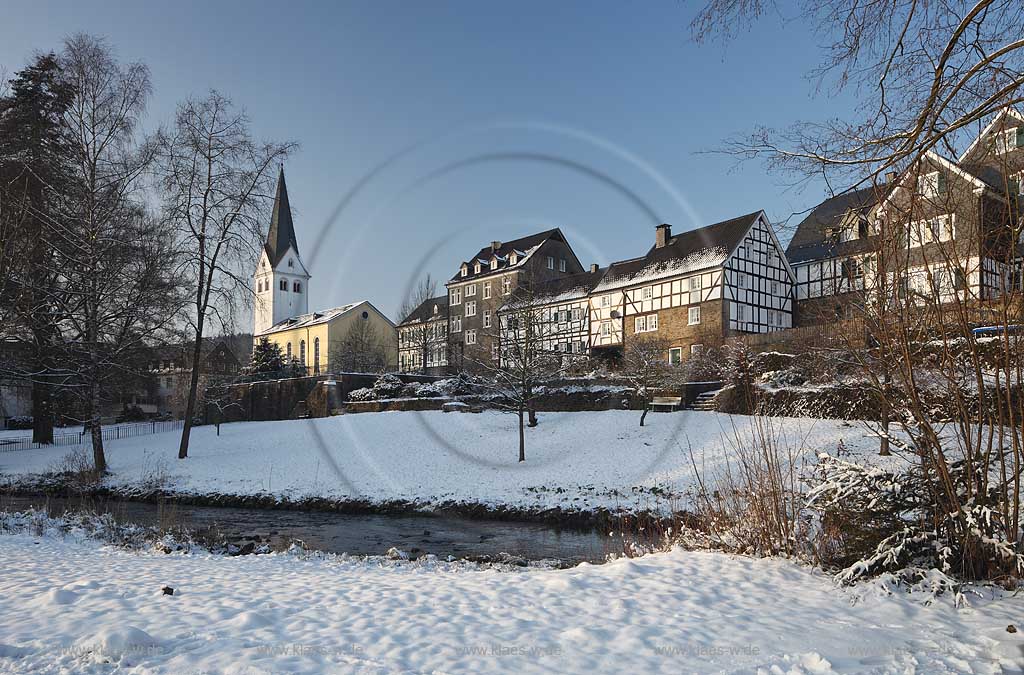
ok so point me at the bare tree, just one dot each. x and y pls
(216, 182)
(927, 75)
(361, 350)
(422, 337)
(112, 255)
(521, 355)
(645, 366)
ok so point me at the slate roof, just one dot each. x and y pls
(811, 241)
(523, 247)
(690, 251)
(571, 287)
(282, 230)
(425, 311)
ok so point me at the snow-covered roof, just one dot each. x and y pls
(312, 318)
(692, 251)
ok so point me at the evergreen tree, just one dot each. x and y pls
(267, 358)
(34, 165)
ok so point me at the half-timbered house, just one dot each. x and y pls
(695, 289)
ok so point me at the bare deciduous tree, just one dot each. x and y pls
(421, 337)
(645, 366)
(216, 181)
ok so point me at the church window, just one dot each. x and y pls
(297, 286)
(302, 352)
(288, 351)
(291, 263)
(284, 284)
(316, 355)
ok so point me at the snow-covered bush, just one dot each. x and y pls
(387, 386)
(887, 524)
(363, 394)
(428, 390)
(20, 422)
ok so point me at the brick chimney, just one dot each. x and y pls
(594, 268)
(663, 233)
(495, 245)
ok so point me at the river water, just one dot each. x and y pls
(359, 534)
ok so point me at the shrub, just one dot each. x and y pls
(364, 394)
(20, 422)
(387, 386)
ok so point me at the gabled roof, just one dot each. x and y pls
(811, 240)
(425, 311)
(522, 247)
(998, 119)
(281, 235)
(690, 251)
(313, 318)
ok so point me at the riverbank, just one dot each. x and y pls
(69, 603)
(581, 468)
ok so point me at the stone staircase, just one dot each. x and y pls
(704, 401)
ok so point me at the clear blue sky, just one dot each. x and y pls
(512, 117)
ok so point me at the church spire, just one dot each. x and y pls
(282, 230)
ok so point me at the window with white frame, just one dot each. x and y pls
(456, 324)
(471, 308)
(696, 349)
(576, 314)
(606, 301)
(561, 265)
(487, 289)
(645, 324)
(471, 337)
(675, 356)
(470, 290)
(695, 283)
(456, 298)
(693, 315)
(487, 318)
(513, 258)
(464, 270)
(551, 262)
(494, 263)
(606, 328)
(562, 316)
(506, 285)
(647, 292)
(1009, 140)
(476, 269)
(931, 184)
(929, 230)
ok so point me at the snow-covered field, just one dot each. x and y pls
(72, 605)
(578, 460)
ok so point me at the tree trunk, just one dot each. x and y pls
(522, 437)
(42, 413)
(532, 417)
(883, 448)
(193, 387)
(96, 428)
(643, 415)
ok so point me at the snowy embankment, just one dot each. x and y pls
(578, 461)
(72, 605)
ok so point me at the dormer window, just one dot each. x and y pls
(513, 258)
(494, 263)
(464, 271)
(476, 268)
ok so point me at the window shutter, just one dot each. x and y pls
(941, 183)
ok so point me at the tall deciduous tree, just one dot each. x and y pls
(112, 255)
(421, 338)
(645, 365)
(216, 180)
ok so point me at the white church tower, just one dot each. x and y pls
(281, 280)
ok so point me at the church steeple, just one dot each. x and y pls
(282, 231)
(280, 280)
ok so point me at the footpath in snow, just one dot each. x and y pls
(578, 461)
(72, 605)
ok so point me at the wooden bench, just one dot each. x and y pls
(666, 403)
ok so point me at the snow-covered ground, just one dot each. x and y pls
(578, 460)
(73, 605)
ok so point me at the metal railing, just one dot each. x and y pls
(111, 433)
